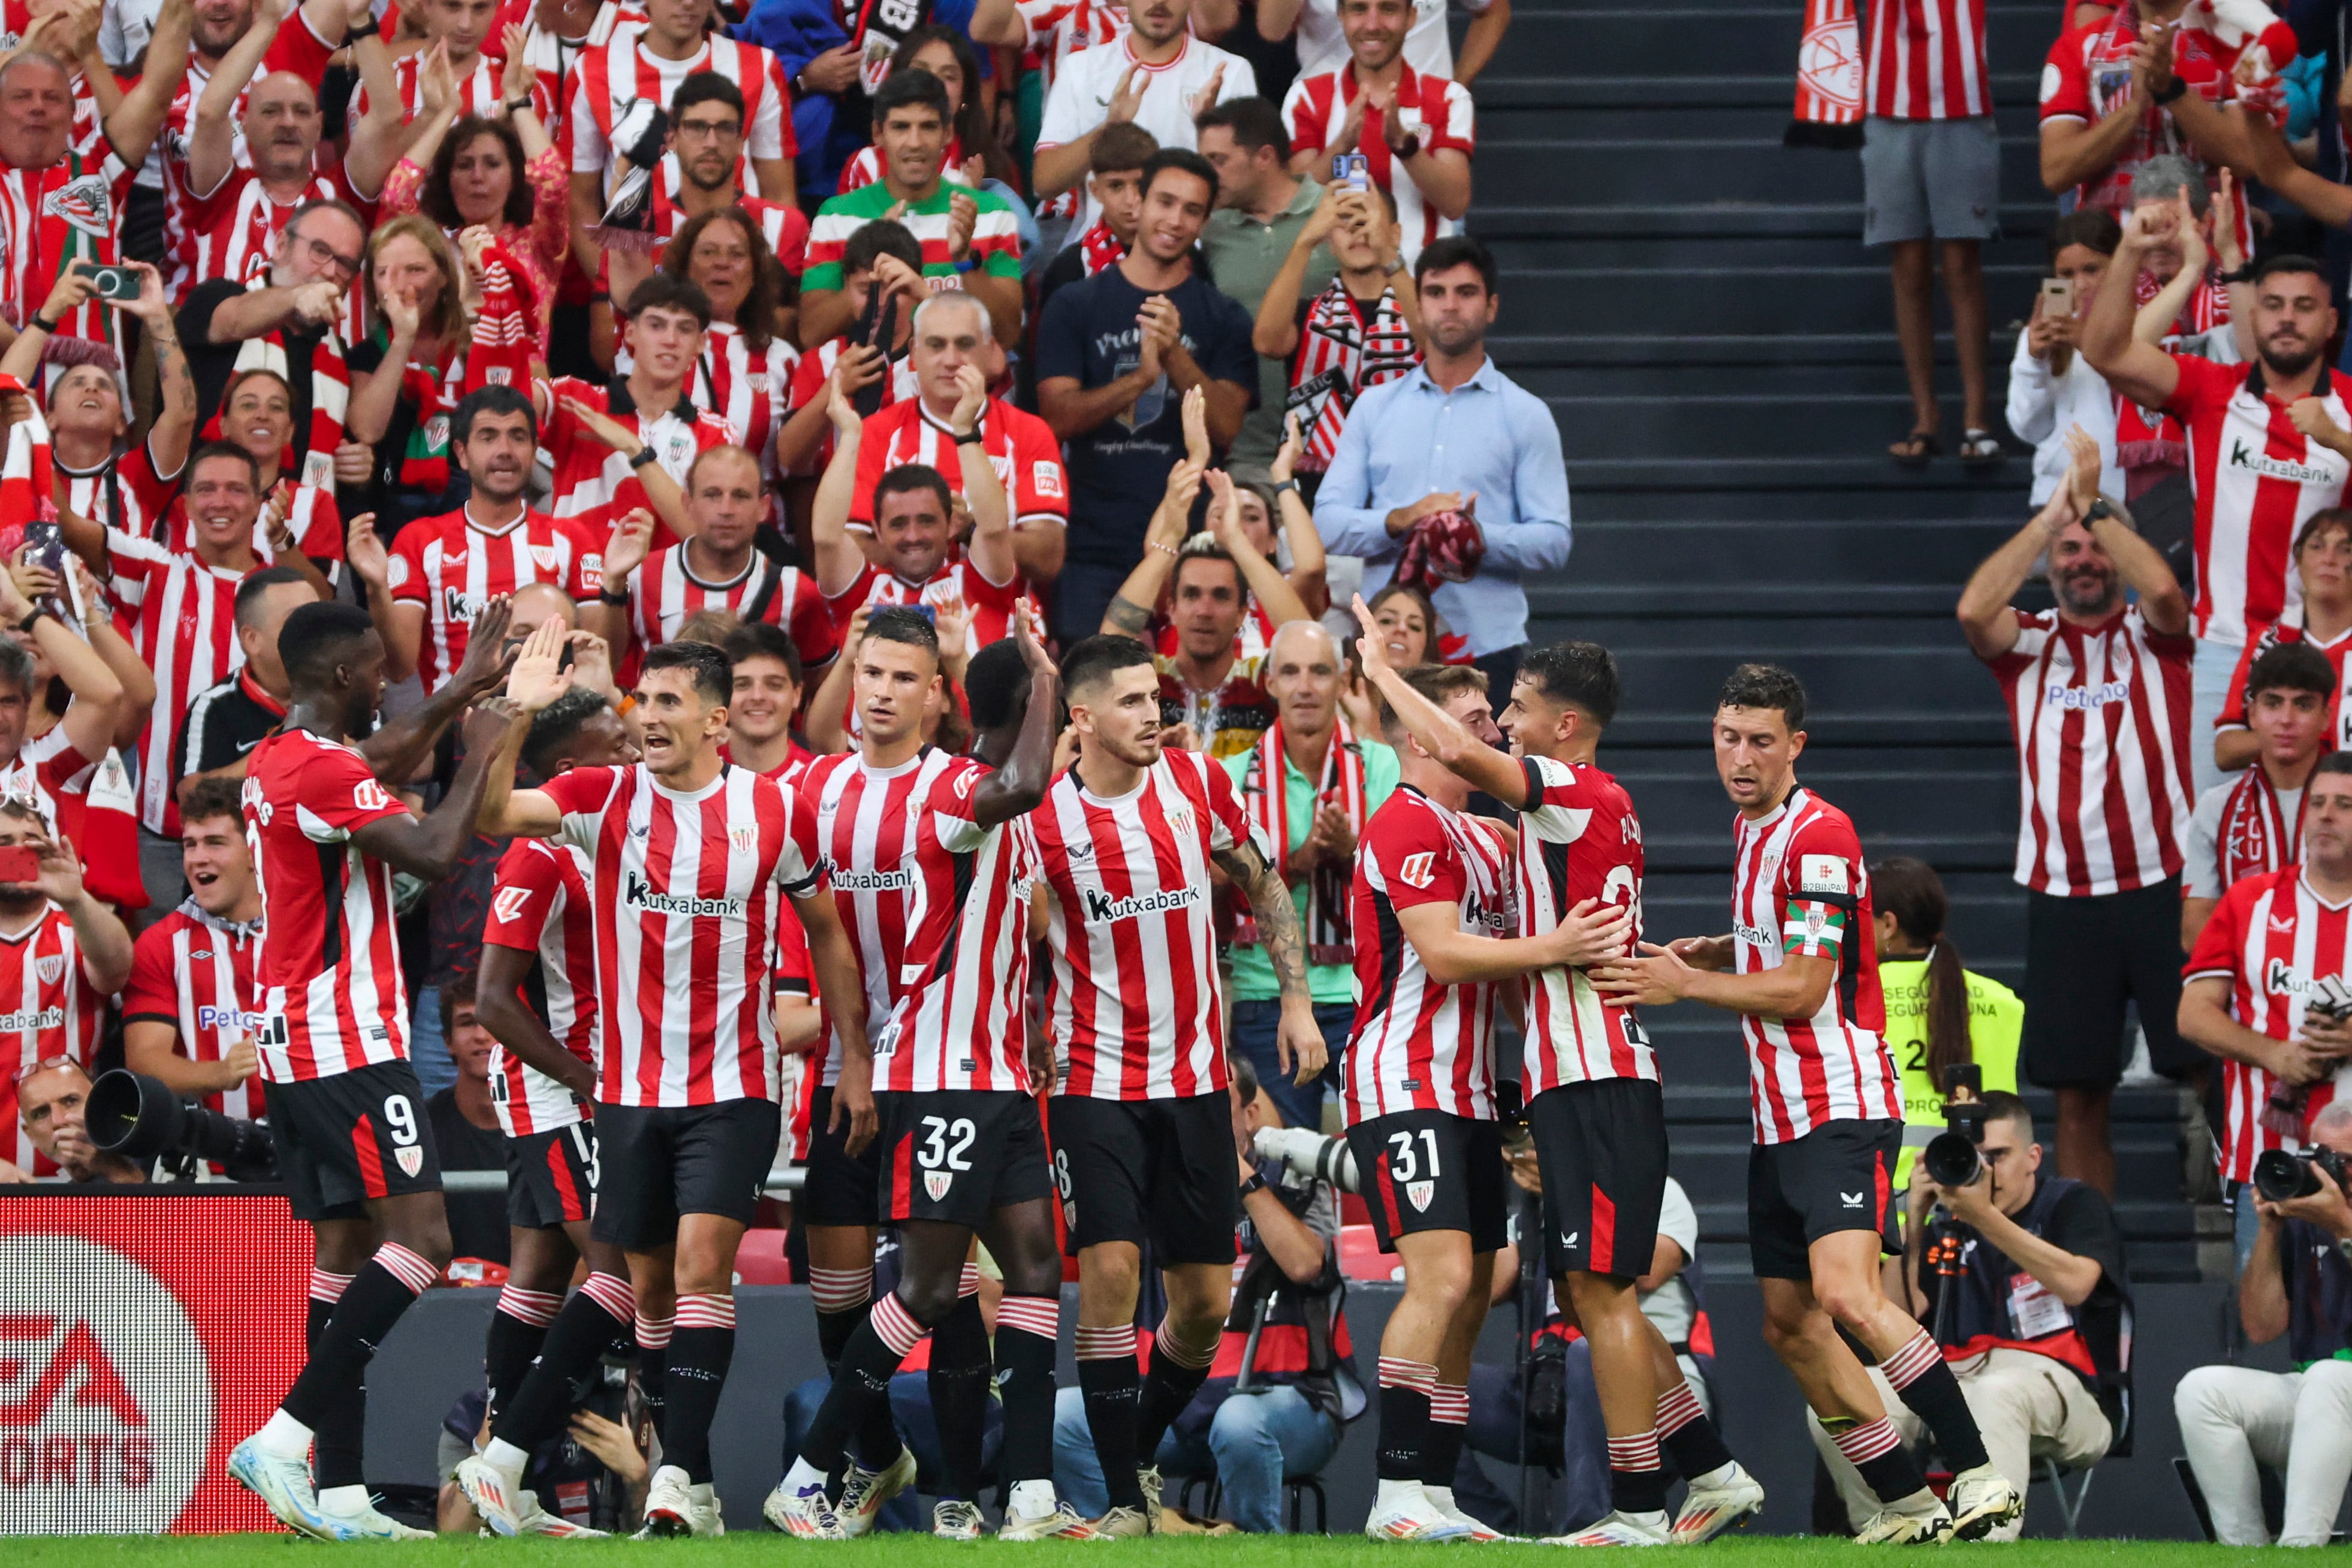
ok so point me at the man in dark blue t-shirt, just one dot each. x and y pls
(1116, 355)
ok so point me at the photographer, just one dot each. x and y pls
(2032, 1275)
(53, 1103)
(2298, 1283)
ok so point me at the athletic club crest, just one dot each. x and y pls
(51, 968)
(744, 839)
(936, 1183)
(545, 555)
(84, 203)
(1418, 1194)
(412, 1159)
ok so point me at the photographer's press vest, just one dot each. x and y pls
(2318, 1295)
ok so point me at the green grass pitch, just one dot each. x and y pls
(917, 1552)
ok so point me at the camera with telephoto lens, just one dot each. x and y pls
(1951, 1157)
(2280, 1175)
(141, 1118)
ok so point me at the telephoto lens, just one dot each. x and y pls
(1951, 1159)
(141, 1120)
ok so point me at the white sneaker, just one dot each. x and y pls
(1122, 1524)
(284, 1485)
(537, 1520)
(1154, 1491)
(364, 1523)
(1981, 1501)
(1065, 1523)
(1918, 1520)
(496, 1495)
(1709, 1511)
(1442, 1499)
(864, 1491)
(675, 1506)
(954, 1521)
(1618, 1529)
(803, 1512)
(1403, 1512)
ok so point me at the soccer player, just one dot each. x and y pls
(536, 993)
(354, 1149)
(1142, 1122)
(963, 1153)
(1800, 970)
(690, 856)
(1433, 883)
(1594, 1105)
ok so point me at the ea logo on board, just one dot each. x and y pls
(106, 1402)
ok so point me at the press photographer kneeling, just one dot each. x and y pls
(2021, 1278)
(2296, 1282)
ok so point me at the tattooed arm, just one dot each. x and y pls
(1299, 1041)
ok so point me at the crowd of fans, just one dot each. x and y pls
(698, 321)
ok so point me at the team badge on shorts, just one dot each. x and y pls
(1070, 1215)
(412, 1159)
(936, 1183)
(1419, 1193)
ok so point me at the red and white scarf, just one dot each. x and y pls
(1265, 796)
(1828, 112)
(2255, 835)
(27, 475)
(1344, 348)
(1099, 249)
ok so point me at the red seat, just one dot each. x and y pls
(760, 1260)
(1360, 1257)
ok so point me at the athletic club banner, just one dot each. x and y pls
(1829, 78)
(140, 1338)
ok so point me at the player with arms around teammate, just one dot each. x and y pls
(354, 1149)
(1142, 1122)
(1430, 909)
(536, 996)
(1800, 970)
(690, 857)
(963, 1152)
(1594, 1104)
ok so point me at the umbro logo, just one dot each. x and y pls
(1851, 1200)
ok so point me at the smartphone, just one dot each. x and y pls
(19, 864)
(884, 309)
(929, 612)
(1351, 171)
(113, 282)
(45, 546)
(2057, 296)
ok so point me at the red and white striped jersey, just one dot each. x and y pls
(186, 632)
(991, 604)
(1419, 1044)
(45, 764)
(888, 864)
(664, 594)
(48, 1008)
(452, 565)
(2243, 827)
(783, 225)
(609, 76)
(328, 983)
(594, 482)
(558, 57)
(312, 519)
(1798, 887)
(477, 91)
(960, 1018)
(2288, 628)
(811, 376)
(1020, 448)
(539, 905)
(1060, 28)
(690, 891)
(195, 973)
(744, 386)
(2100, 715)
(1134, 1005)
(2274, 940)
(69, 212)
(1435, 108)
(233, 232)
(1578, 839)
(1924, 59)
(2257, 478)
(125, 493)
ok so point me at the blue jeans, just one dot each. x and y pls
(1254, 1443)
(1258, 1024)
(427, 1051)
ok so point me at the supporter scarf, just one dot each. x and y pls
(876, 29)
(1828, 112)
(107, 836)
(74, 223)
(28, 481)
(1265, 796)
(2254, 836)
(1341, 351)
(1099, 248)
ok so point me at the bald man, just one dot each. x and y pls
(1313, 809)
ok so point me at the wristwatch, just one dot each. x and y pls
(1256, 1184)
(2241, 274)
(517, 105)
(43, 323)
(2097, 510)
(971, 438)
(1411, 146)
(1290, 485)
(618, 601)
(24, 627)
(642, 456)
(2164, 95)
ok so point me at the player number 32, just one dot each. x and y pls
(946, 1144)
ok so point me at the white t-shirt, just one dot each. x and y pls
(1428, 48)
(1082, 93)
(1671, 1306)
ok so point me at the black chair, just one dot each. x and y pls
(1294, 1491)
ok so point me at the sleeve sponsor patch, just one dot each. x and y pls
(1047, 477)
(1824, 874)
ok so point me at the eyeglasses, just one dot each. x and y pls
(47, 1064)
(345, 268)
(714, 129)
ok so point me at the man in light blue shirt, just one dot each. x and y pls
(1456, 433)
